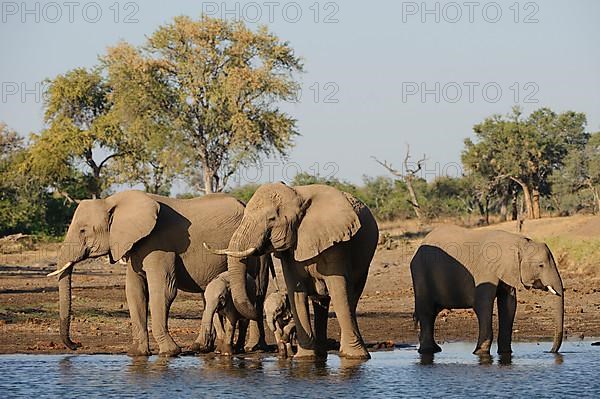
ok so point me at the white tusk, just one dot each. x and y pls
(122, 261)
(551, 289)
(235, 254)
(61, 270)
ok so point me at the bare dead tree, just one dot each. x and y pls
(407, 177)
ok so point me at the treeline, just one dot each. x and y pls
(545, 164)
(200, 100)
(196, 102)
(516, 168)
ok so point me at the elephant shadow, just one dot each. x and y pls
(171, 234)
(444, 274)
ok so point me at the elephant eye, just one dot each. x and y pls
(541, 265)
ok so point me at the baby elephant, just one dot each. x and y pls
(457, 268)
(218, 301)
(280, 322)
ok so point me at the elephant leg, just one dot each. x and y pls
(160, 272)
(278, 332)
(321, 310)
(227, 343)
(299, 307)
(257, 328)
(484, 306)
(288, 335)
(136, 291)
(241, 338)
(426, 313)
(507, 308)
(351, 343)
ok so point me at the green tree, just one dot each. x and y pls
(212, 87)
(581, 172)
(525, 151)
(25, 205)
(79, 140)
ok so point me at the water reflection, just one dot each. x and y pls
(558, 358)
(505, 359)
(258, 375)
(426, 359)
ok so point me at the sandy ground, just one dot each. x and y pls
(29, 300)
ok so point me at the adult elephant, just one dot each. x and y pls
(162, 240)
(460, 268)
(325, 239)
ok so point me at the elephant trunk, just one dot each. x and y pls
(64, 292)
(64, 286)
(559, 312)
(244, 237)
(239, 294)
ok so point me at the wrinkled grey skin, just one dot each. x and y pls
(281, 322)
(326, 240)
(457, 268)
(161, 238)
(218, 301)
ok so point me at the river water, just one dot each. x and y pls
(529, 372)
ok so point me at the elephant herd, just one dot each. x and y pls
(325, 240)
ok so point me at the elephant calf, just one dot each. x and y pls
(457, 268)
(218, 301)
(280, 322)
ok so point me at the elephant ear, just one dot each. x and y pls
(329, 218)
(509, 263)
(132, 216)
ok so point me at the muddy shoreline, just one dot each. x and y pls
(29, 306)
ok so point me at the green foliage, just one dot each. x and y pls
(78, 133)
(209, 89)
(25, 205)
(577, 186)
(245, 192)
(526, 151)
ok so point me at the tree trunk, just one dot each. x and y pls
(526, 197)
(514, 205)
(413, 197)
(504, 209)
(536, 203)
(487, 210)
(596, 198)
(208, 181)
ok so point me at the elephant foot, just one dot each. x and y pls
(261, 346)
(309, 354)
(282, 350)
(170, 352)
(429, 349)
(482, 352)
(226, 350)
(137, 350)
(355, 353)
(483, 348)
(197, 347)
(504, 350)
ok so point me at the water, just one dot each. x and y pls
(530, 372)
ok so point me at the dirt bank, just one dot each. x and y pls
(29, 300)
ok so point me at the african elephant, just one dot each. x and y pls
(162, 240)
(217, 301)
(281, 322)
(457, 268)
(325, 239)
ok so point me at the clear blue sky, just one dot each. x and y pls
(374, 54)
